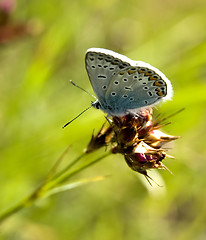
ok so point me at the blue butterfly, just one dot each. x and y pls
(123, 85)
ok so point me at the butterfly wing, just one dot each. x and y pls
(102, 65)
(136, 87)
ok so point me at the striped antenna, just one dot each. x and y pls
(74, 84)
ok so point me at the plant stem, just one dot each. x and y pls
(12, 211)
(21, 205)
(70, 165)
(69, 174)
(49, 184)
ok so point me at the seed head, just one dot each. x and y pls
(137, 138)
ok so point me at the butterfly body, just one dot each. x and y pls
(122, 85)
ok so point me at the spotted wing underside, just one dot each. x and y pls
(134, 88)
(101, 68)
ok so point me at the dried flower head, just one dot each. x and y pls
(101, 139)
(137, 138)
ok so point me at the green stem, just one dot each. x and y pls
(12, 211)
(70, 165)
(68, 175)
(48, 185)
(21, 205)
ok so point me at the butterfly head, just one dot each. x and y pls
(96, 104)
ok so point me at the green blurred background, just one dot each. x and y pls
(36, 99)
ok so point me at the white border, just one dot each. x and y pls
(137, 63)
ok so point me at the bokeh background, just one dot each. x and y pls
(42, 47)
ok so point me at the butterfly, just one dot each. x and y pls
(123, 85)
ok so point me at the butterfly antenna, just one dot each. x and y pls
(77, 116)
(81, 89)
